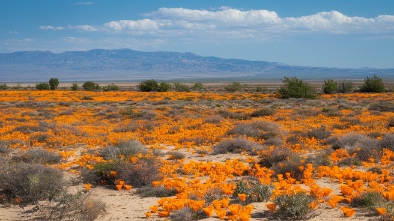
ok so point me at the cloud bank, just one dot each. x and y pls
(228, 23)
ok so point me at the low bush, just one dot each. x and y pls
(110, 87)
(295, 88)
(263, 112)
(318, 133)
(197, 87)
(236, 145)
(293, 206)
(257, 129)
(141, 172)
(345, 87)
(123, 148)
(387, 142)
(186, 214)
(374, 84)
(28, 183)
(255, 191)
(39, 155)
(330, 87)
(181, 87)
(382, 106)
(233, 87)
(42, 86)
(3, 86)
(73, 207)
(90, 86)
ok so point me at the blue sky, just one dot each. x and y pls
(326, 33)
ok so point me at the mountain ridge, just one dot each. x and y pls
(133, 65)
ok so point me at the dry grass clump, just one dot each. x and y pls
(239, 115)
(263, 112)
(72, 207)
(236, 145)
(186, 214)
(257, 129)
(125, 148)
(39, 155)
(28, 183)
(214, 119)
(281, 161)
(387, 141)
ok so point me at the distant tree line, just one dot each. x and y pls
(292, 87)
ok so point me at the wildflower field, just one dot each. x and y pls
(195, 156)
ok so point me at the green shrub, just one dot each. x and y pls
(42, 86)
(345, 87)
(197, 87)
(181, 87)
(53, 83)
(294, 206)
(29, 182)
(74, 87)
(374, 84)
(233, 87)
(152, 85)
(295, 88)
(254, 190)
(330, 87)
(148, 85)
(90, 86)
(3, 86)
(164, 87)
(111, 87)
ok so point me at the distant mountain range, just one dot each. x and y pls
(131, 65)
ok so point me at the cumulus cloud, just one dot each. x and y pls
(138, 25)
(229, 23)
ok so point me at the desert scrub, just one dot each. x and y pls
(28, 183)
(72, 207)
(257, 129)
(186, 214)
(39, 155)
(293, 206)
(125, 148)
(236, 145)
(254, 190)
(281, 161)
(139, 172)
(263, 112)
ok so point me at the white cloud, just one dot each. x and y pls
(84, 3)
(229, 23)
(138, 25)
(83, 27)
(48, 27)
